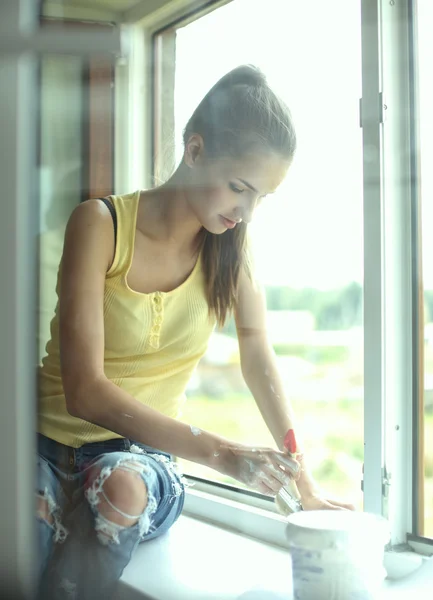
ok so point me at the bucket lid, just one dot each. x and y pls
(320, 529)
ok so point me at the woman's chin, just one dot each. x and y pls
(215, 228)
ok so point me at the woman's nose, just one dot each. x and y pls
(248, 207)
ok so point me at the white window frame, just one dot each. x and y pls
(387, 270)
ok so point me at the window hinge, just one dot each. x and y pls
(386, 482)
(383, 107)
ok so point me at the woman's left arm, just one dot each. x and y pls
(260, 371)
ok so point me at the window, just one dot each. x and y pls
(325, 82)
(60, 171)
(425, 127)
(307, 240)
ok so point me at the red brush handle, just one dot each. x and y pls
(290, 441)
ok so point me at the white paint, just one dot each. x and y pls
(195, 430)
(265, 477)
(250, 465)
(216, 454)
(274, 391)
(128, 416)
(337, 554)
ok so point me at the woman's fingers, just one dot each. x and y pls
(289, 464)
(341, 505)
(281, 477)
(263, 475)
(317, 502)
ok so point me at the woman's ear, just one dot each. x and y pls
(194, 149)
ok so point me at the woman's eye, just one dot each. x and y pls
(236, 189)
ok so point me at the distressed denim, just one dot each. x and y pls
(81, 554)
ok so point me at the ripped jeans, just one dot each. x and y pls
(82, 554)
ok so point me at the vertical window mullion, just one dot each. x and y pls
(21, 41)
(398, 268)
(18, 228)
(418, 367)
(373, 258)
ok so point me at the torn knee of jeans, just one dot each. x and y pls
(55, 512)
(145, 520)
(106, 530)
(94, 491)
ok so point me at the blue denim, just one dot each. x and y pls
(81, 555)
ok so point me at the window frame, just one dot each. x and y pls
(388, 286)
(418, 447)
(97, 121)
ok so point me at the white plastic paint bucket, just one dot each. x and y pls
(337, 555)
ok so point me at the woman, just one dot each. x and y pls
(144, 279)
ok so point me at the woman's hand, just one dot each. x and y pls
(319, 501)
(261, 469)
(312, 497)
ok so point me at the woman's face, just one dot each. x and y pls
(225, 192)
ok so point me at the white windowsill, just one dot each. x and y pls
(200, 561)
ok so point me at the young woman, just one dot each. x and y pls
(144, 279)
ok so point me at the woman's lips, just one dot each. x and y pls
(228, 223)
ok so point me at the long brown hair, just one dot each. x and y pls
(240, 115)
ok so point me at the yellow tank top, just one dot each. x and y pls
(153, 342)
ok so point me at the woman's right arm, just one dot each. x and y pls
(90, 395)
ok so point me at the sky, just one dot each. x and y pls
(310, 233)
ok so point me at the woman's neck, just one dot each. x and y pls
(165, 216)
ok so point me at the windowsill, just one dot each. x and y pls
(200, 561)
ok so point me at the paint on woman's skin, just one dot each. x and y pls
(274, 391)
(195, 430)
(266, 478)
(216, 454)
(250, 465)
(128, 416)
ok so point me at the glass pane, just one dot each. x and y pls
(60, 171)
(425, 49)
(307, 239)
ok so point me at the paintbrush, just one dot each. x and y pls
(287, 500)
